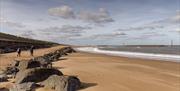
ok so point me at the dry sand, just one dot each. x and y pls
(109, 73)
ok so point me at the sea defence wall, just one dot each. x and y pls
(7, 46)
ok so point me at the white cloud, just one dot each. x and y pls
(62, 11)
(73, 29)
(170, 20)
(64, 32)
(108, 35)
(176, 18)
(66, 12)
(8, 23)
(147, 35)
(66, 29)
(177, 30)
(101, 16)
(27, 34)
(143, 27)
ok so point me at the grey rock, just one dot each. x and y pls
(36, 74)
(44, 61)
(4, 89)
(15, 63)
(30, 86)
(26, 64)
(3, 77)
(11, 70)
(62, 83)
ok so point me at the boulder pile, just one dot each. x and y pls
(29, 74)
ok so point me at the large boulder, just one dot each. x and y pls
(29, 86)
(44, 61)
(62, 83)
(36, 74)
(28, 64)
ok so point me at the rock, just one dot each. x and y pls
(4, 89)
(62, 83)
(28, 64)
(64, 54)
(1, 71)
(30, 86)
(3, 77)
(11, 70)
(55, 57)
(68, 50)
(15, 63)
(36, 74)
(41, 59)
(44, 61)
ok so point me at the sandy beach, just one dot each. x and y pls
(99, 72)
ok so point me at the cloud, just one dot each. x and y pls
(62, 11)
(66, 12)
(66, 29)
(65, 32)
(177, 30)
(5, 22)
(73, 29)
(108, 36)
(170, 20)
(157, 24)
(101, 16)
(143, 27)
(147, 35)
(27, 34)
(176, 18)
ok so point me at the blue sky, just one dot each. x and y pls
(93, 22)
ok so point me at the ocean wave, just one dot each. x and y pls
(164, 57)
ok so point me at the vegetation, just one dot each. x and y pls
(8, 37)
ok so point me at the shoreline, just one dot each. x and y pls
(141, 59)
(100, 72)
(139, 55)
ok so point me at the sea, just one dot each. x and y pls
(156, 52)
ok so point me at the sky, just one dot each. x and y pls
(93, 22)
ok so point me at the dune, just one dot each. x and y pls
(99, 72)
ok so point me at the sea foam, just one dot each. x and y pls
(163, 57)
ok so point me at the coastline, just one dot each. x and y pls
(100, 72)
(140, 55)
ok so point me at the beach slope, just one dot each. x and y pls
(108, 73)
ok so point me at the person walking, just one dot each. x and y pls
(32, 50)
(18, 52)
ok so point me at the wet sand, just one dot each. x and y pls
(109, 73)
